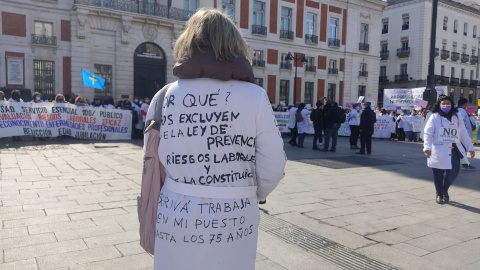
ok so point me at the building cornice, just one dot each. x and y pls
(450, 4)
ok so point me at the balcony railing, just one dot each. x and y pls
(454, 81)
(258, 63)
(405, 26)
(465, 58)
(383, 79)
(384, 55)
(437, 52)
(259, 30)
(363, 47)
(474, 60)
(403, 52)
(286, 65)
(455, 56)
(363, 73)
(444, 80)
(286, 34)
(333, 42)
(463, 82)
(332, 70)
(44, 40)
(444, 54)
(310, 68)
(401, 78)
(311, 39)
(384, 31)
(141, 7)
(473, 83)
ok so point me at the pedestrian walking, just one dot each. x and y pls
(443, 134)
(292, 124)
(354, 123)
(367, 121)
(216, 170)
(333, 120)
(302, 116)
(317, 119)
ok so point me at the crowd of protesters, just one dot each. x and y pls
(138, 107)
(327, 117)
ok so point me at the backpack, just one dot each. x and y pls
(298, 116)
(153, 178)
(313, 115)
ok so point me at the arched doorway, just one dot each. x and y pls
(149, 70)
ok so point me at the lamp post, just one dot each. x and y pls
(430, 93)
(302, 59)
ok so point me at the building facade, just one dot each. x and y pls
(405, 47)
(44, 44)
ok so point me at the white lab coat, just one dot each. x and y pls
(441, 151)
(291, 117)
(217, 136)
(354, 119)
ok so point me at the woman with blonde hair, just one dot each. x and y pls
(59, 99)
(221, 150)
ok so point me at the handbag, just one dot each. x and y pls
(298, 117)
(153, 178)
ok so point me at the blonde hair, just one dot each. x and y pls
(214, 29)
(59, 96)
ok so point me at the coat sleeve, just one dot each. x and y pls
(270, 157)
(428, 133)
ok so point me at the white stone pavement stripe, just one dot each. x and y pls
(329, 250)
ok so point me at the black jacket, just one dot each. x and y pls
(367, 120)
(317, 118)
(334, 115)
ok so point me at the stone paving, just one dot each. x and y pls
(69, 204)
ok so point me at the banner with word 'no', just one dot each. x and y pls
(56, 119)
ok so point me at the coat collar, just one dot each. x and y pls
(203, 64)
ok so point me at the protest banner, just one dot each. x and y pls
(56, 119)
(420, 103)
(470, 109)
(403, 98)
(381, 128)
(282, 121)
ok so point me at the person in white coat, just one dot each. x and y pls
(354, 123)
(462, 105)
(303, 125)
(221, 149)
(443, 135)
(292, 124)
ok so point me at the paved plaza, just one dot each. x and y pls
(71, 204)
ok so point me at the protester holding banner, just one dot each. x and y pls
(354, 122)
(444, 131)
(2, 96)
(462, 105)
(59, 99)
(36, 98)
(15, 96)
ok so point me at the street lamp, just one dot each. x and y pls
(302, 59)
(430, 93)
